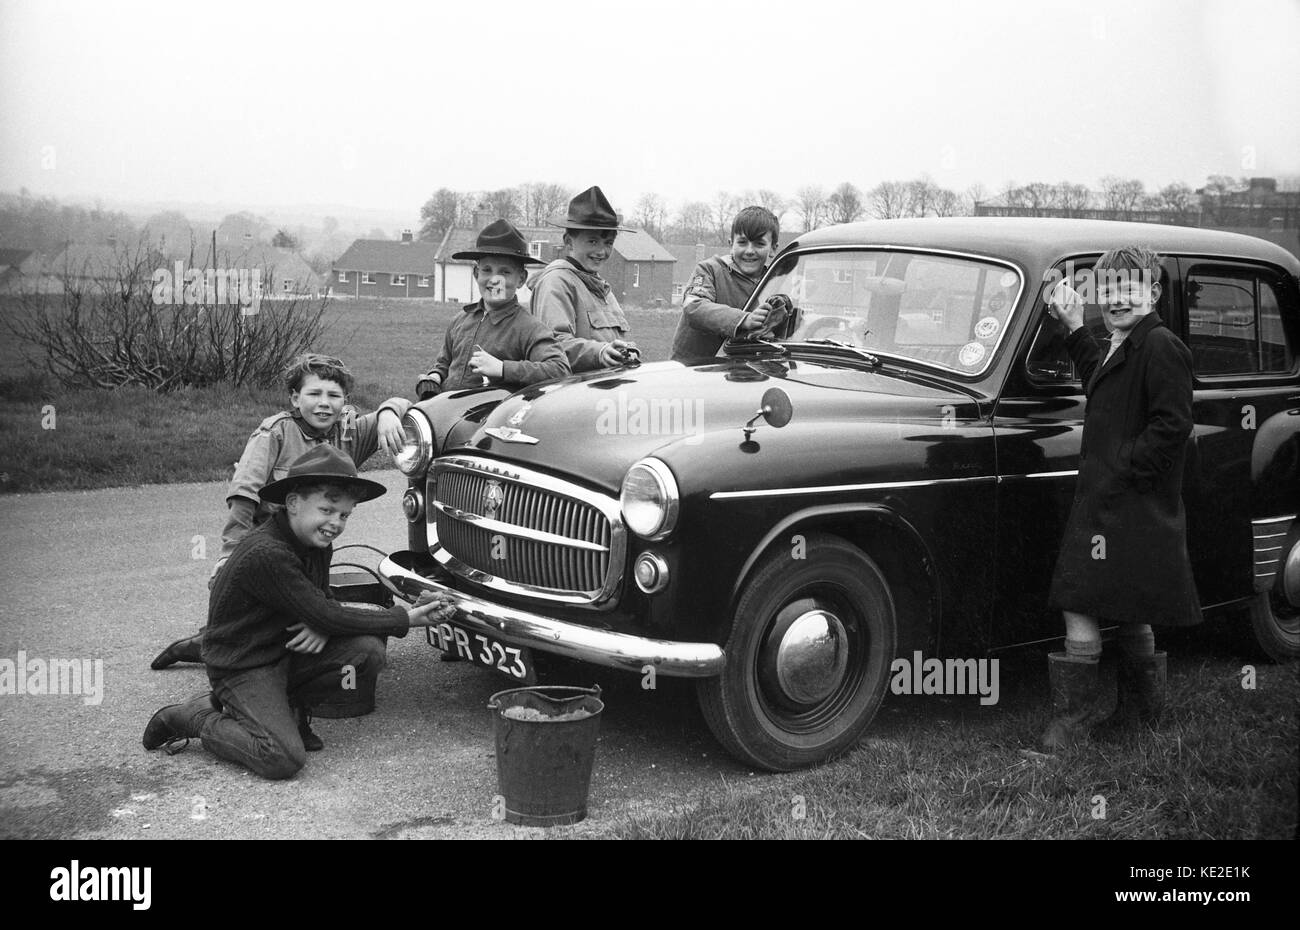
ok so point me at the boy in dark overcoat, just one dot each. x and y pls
(1124, 557)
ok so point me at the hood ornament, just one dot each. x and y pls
(510, 434)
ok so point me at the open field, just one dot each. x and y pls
(133, 436)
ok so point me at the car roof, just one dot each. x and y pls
(1037, 241)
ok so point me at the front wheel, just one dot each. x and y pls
(807, 659)
(1276, 625)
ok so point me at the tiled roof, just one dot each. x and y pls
(389, 257)
(640, 246)
(12, 258)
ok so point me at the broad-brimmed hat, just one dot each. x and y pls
(500, 238)
(320, 464)
(590, 210)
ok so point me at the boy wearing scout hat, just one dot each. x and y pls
(276, 641)
(571, 297)
(494, 338)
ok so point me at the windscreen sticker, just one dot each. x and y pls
(987, 328)
(1008, 279)
(971, 354)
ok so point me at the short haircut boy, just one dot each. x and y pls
(755, 222)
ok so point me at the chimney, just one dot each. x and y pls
(406, 236)
(482, 216)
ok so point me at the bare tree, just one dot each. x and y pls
(724, 211)
(506, 203)
(1175, 198)
(694, 221)
(1121, 195)
(439, 213)
(1039, 195)
(948, 203)
(541, 201)
(888, 200)
(1073, 197)
(651, 212)
(922, 197)
(809, 204)
(973, 197)
(845, 205)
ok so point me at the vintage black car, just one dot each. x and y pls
(889, 473)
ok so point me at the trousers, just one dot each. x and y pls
(258, 723)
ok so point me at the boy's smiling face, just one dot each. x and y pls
(319, 401)
(752, 255)
(498, 279)
(318, 518)
(591, 248)
(1123, 304)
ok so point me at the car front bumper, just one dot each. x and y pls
(571, 640)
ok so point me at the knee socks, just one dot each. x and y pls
(1136, 640)
(1089, 650)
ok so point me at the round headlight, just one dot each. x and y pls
(649, 499)
(417, 444)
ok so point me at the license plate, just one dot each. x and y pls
(513, 661)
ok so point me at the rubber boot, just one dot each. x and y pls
(1076, 700)
(1142, 688)
(310, 741)
(180, 721)
(189, 649)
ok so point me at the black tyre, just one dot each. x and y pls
(1276, 625)
(807, 659)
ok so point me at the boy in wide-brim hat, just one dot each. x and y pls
(494, 338)
(277, 642)
(571, 297)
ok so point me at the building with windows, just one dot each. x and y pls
(386, 268)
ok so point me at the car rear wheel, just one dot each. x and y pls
(1275, 622)
(807, 659)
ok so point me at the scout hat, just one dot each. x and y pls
(500, 238)
(590, 210)
(320, 464)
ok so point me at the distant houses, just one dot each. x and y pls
(640, 269)
(689, 255)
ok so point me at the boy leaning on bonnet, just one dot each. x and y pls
(494, 338)
(721, 286)
(318, 387)
(571, 297)
(277, 641)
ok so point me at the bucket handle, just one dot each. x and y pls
(593, 691)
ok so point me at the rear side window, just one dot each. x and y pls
(1234, 322)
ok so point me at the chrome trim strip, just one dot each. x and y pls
(608, 507)
(840, 488)
(1072, 473)
(557, 637)
(1267, 566)
(513, 529)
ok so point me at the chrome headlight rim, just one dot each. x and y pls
(417, 422)
(668, 502)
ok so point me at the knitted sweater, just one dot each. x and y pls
(271, 582)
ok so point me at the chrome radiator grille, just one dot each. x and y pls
(521, 531)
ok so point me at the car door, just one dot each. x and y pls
(1240, 321)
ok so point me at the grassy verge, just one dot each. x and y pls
(1221, 765)
(132, 436)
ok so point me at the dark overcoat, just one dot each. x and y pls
(1124, 556)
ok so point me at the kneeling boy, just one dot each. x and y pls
(276, 641)
(494, 337)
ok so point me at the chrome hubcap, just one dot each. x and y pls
(1291, 577)
(812, 656)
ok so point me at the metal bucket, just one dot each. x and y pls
(543, 760)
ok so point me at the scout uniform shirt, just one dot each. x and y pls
(711, 306)
(578, 305)
(276, 444)
(527, 349)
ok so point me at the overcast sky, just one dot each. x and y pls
(377, 104)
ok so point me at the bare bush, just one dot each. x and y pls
(104, 326)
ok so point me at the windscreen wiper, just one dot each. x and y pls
(863, 354)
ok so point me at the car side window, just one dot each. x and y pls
(1234, 324)
(1048, 362)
